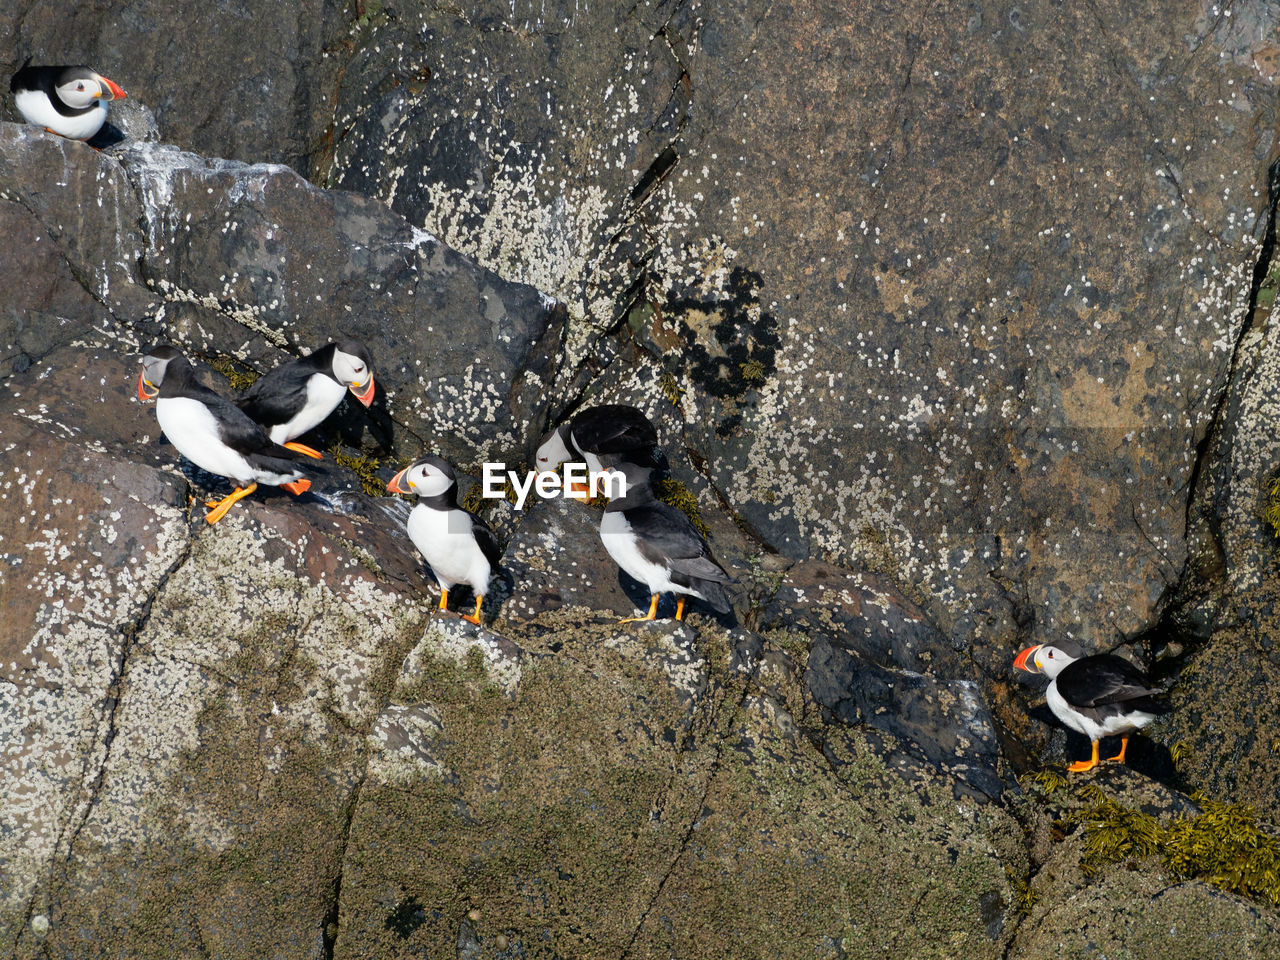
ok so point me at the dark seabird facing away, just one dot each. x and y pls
(296, 396)
(607, 431)
(1100, 696)
(68, 101)
(457, 545)
(212, 432)
(659, 546)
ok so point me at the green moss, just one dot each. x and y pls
(475, 500)
(753, 371)
(365, 469)
(1267, 289)
(681, 497)
(238, 373)
(1223, 846)
(640, 315)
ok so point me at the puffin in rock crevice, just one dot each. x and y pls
(68, 101)
(610, 430)
(457, 545)
(1100, 696)
(296, 396)
(212, 432)
(659, 546)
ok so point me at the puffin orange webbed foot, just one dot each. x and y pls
(1080, 766)
(651, 615)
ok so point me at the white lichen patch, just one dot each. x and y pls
(453, 639)
(1254, 453)
(245, 651)
(672, 648)
(54, 718)
(402, 741)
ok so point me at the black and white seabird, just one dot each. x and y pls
(659, 546)
(1100, 696)
(212, 432)
(69, 101)
(457, 545)
(610, 430)
(295, 396)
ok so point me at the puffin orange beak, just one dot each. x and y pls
(364, 395)
(1020, 662)
(111, 85)
(394, 485)
(143, 395)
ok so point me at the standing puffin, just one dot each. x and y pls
(1099, 696)
(68, 101)
(612, 428)
(457, 545)
(212, 432)
(659, 546)
(296, 396)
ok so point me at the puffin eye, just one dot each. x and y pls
(79, 86)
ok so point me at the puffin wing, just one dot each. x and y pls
(665, 536)
(241, 434)
(27, 78)
(1101, 680)
(276, 397)
(485, 540)
(613, 428)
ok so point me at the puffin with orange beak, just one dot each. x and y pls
(212, 432)
(1100, 696)
(69, 101)
(457, 545)
(295, 396)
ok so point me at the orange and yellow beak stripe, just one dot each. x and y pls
(116, 92)
(363, 394)
(1025, 660)
(143, 395)
(394, 485)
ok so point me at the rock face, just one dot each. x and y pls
(977, 324)
(950, 322)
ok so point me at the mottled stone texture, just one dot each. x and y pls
(956, 285)
(952, 287)
(943, 314)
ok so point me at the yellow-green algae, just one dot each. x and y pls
(239, 374)
(364, 467)
(1223, 845)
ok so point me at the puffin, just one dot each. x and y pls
(296, 396)
(1100, 696)
(69, 101)
(658, 545)
(611, 430)
(212, 432)
(457, 545)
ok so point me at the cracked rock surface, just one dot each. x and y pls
(949, 321)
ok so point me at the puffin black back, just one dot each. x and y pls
(278, 395)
